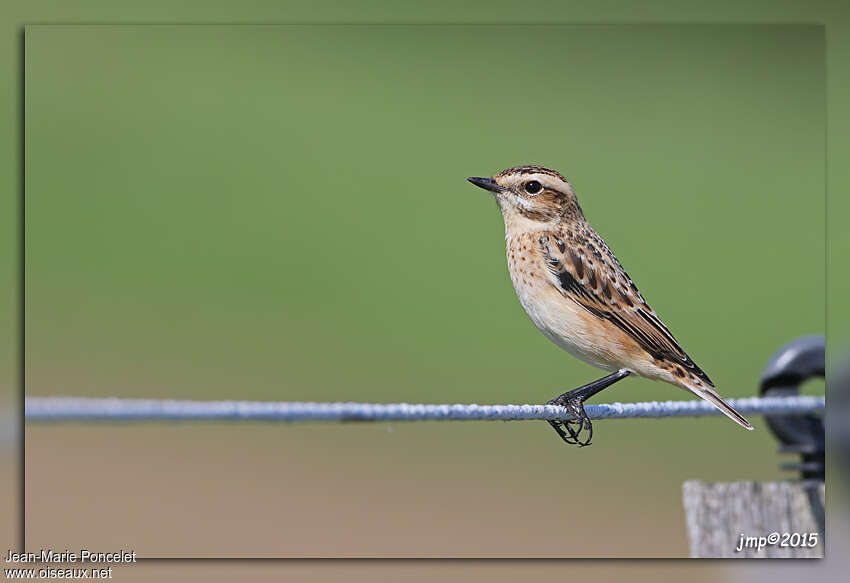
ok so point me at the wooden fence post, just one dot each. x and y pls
(742, 519)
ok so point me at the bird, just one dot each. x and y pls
(578, 295)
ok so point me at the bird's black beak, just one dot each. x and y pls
(486, 184)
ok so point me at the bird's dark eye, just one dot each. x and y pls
(533, 187)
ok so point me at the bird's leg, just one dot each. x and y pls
(574, 402)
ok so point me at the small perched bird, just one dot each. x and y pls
(576, 292)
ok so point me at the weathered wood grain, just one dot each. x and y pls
(718, 514)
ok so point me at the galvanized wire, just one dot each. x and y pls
(115, 409)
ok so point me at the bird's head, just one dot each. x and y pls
(532, 193)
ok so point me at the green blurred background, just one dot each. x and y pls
(280, 212)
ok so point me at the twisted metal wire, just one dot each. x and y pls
(115, 409)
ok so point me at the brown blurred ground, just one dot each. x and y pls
(10, 495)
(102, 487)
(324, 491)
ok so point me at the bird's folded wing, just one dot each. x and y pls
(586, 272)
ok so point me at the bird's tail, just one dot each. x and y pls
(712, 397)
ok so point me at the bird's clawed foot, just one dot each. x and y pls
(574, 402)
(575, 405)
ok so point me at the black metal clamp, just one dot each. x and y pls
(790, 367)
